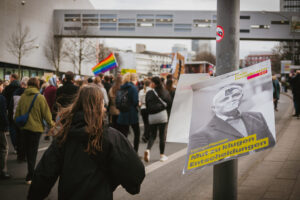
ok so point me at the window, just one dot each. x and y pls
(108, 18)
(244, 17)
(90, 19)
(203, 23)
(164, 25)
(72, 17)
(244, 31)
(183, 27)
(145, 24)
(72, 28)
(260, 26)
(108, 28)
(164, 18)
(126, 20)
(280, 22)
(145, 18)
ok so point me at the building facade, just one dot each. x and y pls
(257, 57)
(37, 16)
(290, 5)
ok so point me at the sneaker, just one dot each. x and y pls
(28, 182)
(147, 156)
(163, 158)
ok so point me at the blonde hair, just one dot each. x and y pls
(129, 77)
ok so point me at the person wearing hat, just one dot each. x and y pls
(229, 123)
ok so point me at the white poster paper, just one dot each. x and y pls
(180, 118)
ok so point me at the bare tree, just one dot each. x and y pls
(20, 44)
(54, 51)
(79, 50)
(206, 56)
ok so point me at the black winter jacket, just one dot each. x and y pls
(65, 94)
(3, 114)
(295, 83)
(83, 176)
(10, 89)
(154, 105)
(8, 94)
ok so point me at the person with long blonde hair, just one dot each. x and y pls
(130, 118)
(89, 158)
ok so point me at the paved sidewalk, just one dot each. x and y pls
(277, 175)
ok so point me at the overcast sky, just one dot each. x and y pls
(164, 45)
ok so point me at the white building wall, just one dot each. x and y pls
(38, 16)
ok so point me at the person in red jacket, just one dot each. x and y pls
(50, 95)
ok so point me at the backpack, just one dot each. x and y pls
(122, 100)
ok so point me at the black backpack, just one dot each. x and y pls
(122, 100)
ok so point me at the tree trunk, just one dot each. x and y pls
(19, 70)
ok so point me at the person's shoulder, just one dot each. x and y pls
(254, 115)
(112, 134)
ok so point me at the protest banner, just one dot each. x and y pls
(232, 116)
(180, 118)
(47, 76)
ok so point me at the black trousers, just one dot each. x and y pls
(31, 141)
(3, 151)
(145, 116)
(162, 138)
(114, 122)
(136, 130)
(21, 155)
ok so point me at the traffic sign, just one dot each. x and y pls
(219, 33)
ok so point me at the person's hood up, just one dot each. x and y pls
(15, 83)
(31, 91)
(52, 81)
(127, 85)
(19, 91)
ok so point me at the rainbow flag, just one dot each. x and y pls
(105, 65)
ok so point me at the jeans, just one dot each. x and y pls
(162, 138)
(136, 130)
(145, 116)
(31, 140)
(3, 151)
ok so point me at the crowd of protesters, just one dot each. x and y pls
(89, 129)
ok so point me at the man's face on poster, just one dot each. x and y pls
(227, 100)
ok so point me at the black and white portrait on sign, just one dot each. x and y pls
(229, 108)
(229, 122)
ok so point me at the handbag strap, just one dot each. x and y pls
(31, 105)
(162, 101)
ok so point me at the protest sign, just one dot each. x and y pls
(232, 116)
(180, 118)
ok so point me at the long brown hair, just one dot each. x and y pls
(117, 84)
(90, 101)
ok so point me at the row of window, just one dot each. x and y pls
(140, 18)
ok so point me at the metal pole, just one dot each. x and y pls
(228, 16)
